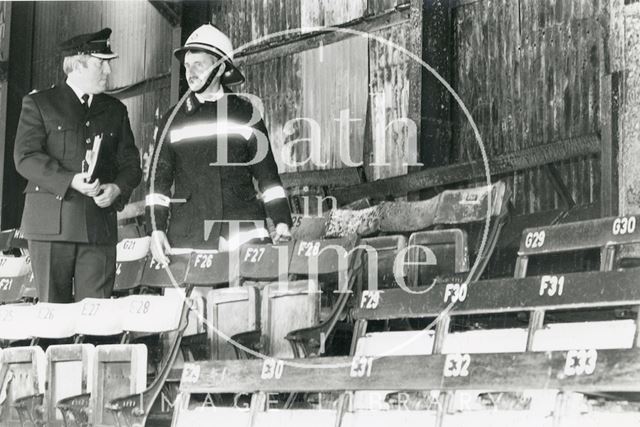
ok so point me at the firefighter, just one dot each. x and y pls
(215, 146)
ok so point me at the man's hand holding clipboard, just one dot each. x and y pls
(103, 194)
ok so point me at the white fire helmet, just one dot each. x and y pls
(208, 38)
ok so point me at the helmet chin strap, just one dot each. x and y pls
(214, 70)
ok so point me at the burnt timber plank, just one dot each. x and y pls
(614, 370)
(434, 177)
(305, 40)
(324, 177)
(593, 234)
(579, 290)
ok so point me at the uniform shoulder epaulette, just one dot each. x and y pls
(40, 90)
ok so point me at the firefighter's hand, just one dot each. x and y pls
(160, 247)
(282, 233)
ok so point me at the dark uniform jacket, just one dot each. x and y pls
(202, 191)
(53, 134)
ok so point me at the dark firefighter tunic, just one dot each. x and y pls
(206, 186)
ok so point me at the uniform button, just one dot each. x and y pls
(88, 140)
(58, 198)
(88, 123)
(59, 127)
(37, 188)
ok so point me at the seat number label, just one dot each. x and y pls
(624, 225)
(551, 285)
(580, 362)
(361, 367)
(370, 300)
(456, 365)
(535, 239)
(455, 292)
(272, 369)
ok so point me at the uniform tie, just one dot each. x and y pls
(85, 102)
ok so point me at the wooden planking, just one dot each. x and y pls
(463, 172)
(330, 12)
(141, 37)
(334, 86)
(389, 81)
(614, 370)
(128, 39)
(278, 83)
(248, 20)
(630, 111)
(580, 291)
(529, 73)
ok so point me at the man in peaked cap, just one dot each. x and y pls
(75, 147)
(215, 147)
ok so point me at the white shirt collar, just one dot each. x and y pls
(210, 97)
(78, 92)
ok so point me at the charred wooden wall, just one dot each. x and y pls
(304, 83)
(527, 70)
(529, 73)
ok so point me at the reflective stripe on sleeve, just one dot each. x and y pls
(273, 193)
(157, 199)
(209, 129)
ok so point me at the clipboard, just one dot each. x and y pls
(91, 159)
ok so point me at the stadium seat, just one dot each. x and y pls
(387, 249)
(24, 367)
(231, 311)
(131, 256)
(16, 278)
(336, 265)
(451, 255)
(188, 270)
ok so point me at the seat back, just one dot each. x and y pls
(605, 234)
(69, 372)
(22, 373)
(230, 311)
(53, 321)
(131, 257)
(15, 320)
(159, 276)
(387, 249)
(287, 306)
(265, 262)
(486, 341)
(388, 344)
(6, 238)
(99, 316)
(449, 250)
(15, 277)
(152, 313)
(118, 369)
(585, 335)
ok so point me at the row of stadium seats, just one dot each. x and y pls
(283, 321)
(426, 370)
